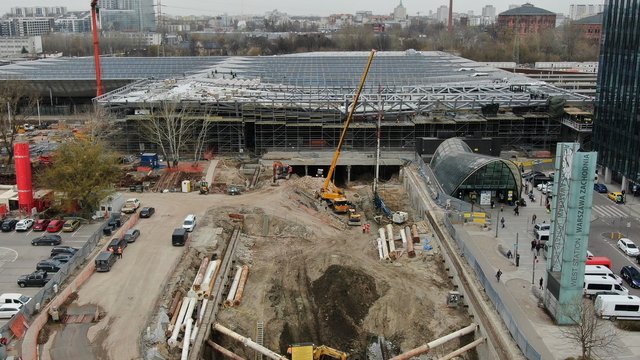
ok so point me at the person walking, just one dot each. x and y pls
(498, 274)
(541, 282)
(533, 245)
(533, 219)
(119, 252)
(502, 222)
(538, 247)
(516, 210)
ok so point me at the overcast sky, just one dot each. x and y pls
(303, 7)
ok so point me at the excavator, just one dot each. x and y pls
(281, 171)
(308, 351)
(329, 191)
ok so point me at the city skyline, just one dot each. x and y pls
(257, 7)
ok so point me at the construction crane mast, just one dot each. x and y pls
(329, 191)
(96, 46)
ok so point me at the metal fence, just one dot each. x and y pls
(526, 348)
(50, 290)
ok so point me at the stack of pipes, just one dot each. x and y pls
(187, 312)
(386, 246)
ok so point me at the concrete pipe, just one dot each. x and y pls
(225, 352)
(175, 304)
(403, 236)
(243, 281)
(392, 245)
(463, 349)
(173, 340)
(208, 276)
(213, 279)
(200, 275)
(380, 252)
(174, 317)
(426, 347)
(248, 342)
(189, 314)
(383, 240)
(186, 340)
(234, 287)
(414, 234)
(410, 250)
(194, 334)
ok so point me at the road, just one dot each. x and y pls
(609, 217)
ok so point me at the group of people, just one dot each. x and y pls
(536, 246)
(117, 251)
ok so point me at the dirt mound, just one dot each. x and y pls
(343, 296)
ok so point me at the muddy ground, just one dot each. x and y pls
(314, 279)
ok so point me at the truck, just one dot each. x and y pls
(36, 278)
(130, 206)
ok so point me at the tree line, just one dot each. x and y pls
(486, 43)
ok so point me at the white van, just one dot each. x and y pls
(601, 270)
(13, 298)
(189, 222)
(594, 284)
(626, 307)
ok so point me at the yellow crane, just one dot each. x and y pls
(329, 191)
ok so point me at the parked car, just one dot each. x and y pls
(628, 247)
(189, 222)
(130, 206)
(63, 258)
(71, 225)
(601, 188)
(9, 225)
(55, 226)
(617, 197)
(24, 224)
(631, 275)
(638, 259)
(47, 240)
(41, 225)
(36, 278)
(147, 212)
(7, 311)
(131, 235)
(115, 244)
(63, 250)
(14, 298)
(49, 265)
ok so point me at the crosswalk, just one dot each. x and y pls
(609, 211)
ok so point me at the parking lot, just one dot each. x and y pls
(19, 257)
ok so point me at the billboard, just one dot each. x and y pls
(570, 225)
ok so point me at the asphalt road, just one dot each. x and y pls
(19, 257)
(608, 217)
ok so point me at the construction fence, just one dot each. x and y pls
(526, 348)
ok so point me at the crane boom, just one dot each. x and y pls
(96, 46)
(334, 192)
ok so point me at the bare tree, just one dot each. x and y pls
(168, 128)
(594, 335)
(17, 104)
(201, 139)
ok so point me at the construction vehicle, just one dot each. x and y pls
(281, 171)
(309, 351)
(329, 191)
(204, 188)
(355, 219)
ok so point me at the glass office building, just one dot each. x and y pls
(616, 132)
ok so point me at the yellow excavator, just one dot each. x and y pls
(308, 351)
(329, 191)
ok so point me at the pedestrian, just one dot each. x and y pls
(533, 245)
(538, 247)
(119, 252)
(502, 222)
(498, 274)
(493, 204)
(541, 282)
(533, 219)
(501, 208)
(516, 210)
(364, 229)
(509, 254)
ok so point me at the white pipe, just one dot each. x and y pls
(380, 252)
(187, 338)
(392, 245)
(205, 302)
(188, 315)
(176, 329)
(234, 287)
(211, 269)
(249, 343)
(383, 240)
(426, 347)
(403, 236)
(194, 333)
(463, 349)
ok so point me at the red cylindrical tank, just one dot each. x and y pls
(23, 176)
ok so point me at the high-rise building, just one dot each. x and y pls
(32, 26)
(616, 131)
(489, 11)
(128, 15)
(442, 15)
(400, 12)
(37, 11)
(579, 11)
(77, 22)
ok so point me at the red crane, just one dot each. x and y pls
(96, 46)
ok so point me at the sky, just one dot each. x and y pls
(305, 7)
